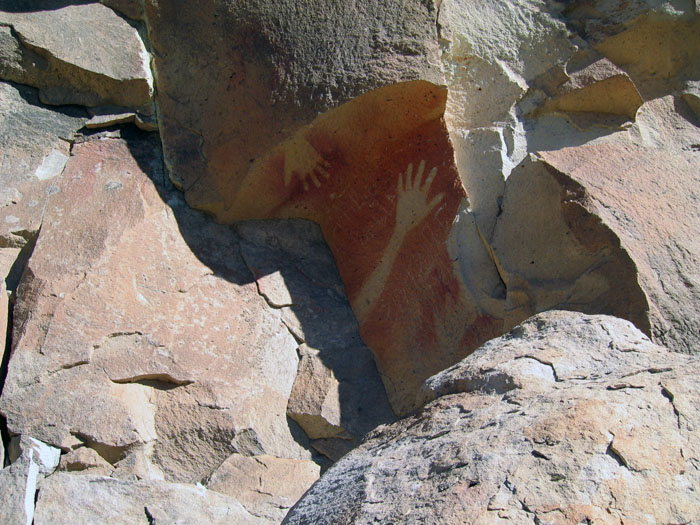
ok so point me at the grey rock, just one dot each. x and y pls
(35, 148)
(567, 418)
(32, 461)
(78, 54)
(68, 498)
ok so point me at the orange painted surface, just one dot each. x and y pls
(378, 175)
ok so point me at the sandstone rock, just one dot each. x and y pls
(568, 418)
(86, 460)
(295, 272)
(265, 485)
(642, 184)
(596, 86)
(36, 147)
(554, 251)
(265, 68)
(69, 54)
(383, 161)
(18, 483)
(655, 42)
(135, 341)
(493, 53)
(68, 498)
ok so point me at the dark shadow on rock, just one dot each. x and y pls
(25, 6)
(311, 296)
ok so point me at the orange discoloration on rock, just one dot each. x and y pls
(378, 175)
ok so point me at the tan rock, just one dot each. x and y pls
(69, 498)
(86, 460)
(69, 54)
(598, 87)
(270, 68)
(568, 418)
(36, 149)
(554, 252)
(265, 485)
(643, 183)
(125, 338)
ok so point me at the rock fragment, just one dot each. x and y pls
(69, 54)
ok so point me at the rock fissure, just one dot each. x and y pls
(669, 395)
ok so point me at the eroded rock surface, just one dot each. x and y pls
(64, 498)
(98, 358)
(262, 69)
(565, 419)
(76, 54)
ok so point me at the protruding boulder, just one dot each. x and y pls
(569, 418)
(77, 54)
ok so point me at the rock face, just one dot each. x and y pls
(264, 69)
(396, 183)
(396, 178)
(133, 365)
(69, 53)
(567, 418)
(88, 499)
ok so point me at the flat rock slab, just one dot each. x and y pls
(78, 54)
(66, 498)
(36, 147)
(568, 418)
(126, 342)
(377, 174)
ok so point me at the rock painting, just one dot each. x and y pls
(378, 175)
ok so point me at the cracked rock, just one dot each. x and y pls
(126, 342)
(66, 498)
(32, 461)
(546, 449)
(78, 54)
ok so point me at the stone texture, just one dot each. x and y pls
(66, 498)
(656, 42)
(265, 485)
(644, 270)
(138, 342)
(78, 54)
(18, 483)
(35, 149)
(588, 271)
(265, 68)
(383, 161)
(568, 418)
(129, 8)
(86, 460)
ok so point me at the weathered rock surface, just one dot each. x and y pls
(126, 342)
(626, 244)
(235, 79)
(377, 175)
(266, 486)
(65, 498)
(568, 418)
(76, 54)
(18, 483)
(36, 148)
(337, 393)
